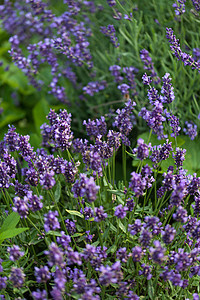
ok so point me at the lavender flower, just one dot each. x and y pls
(194, 185)
(154, 118)
(145, 237)
(120, 211)
(42, 274)
(174, 124)
(11, 139)
(146, 79)
(71, 226)
(175, 47)
(17, 277)
(146, 271)
(59, 131)
(111, 2)
(191, 130)
(88, 213)
(85, 187)
(96, 127)
(122, 255)
(21, 206)
(136, 227)
(197, 206)
(196, 4)
(111, 274)
(148, 65)
(94, 87)
(137, 184)
(167, 89)
(123, 119)
(15, 253)
(95, 255)
(157, 253)
(179, 157)
(3, 282)
(153, 96)
(39, 295)
(130, 75)
(142, 149)
(51, 221)
(179, 7)
(35, 202)
(136, 253)
(124, 88)
(180, 215)
(100, 215)
(115, 71)
(168, 234)
(110, 32)
(56, 255)
(64, 240)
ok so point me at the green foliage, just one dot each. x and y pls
(8, 229)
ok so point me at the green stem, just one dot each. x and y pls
(124, 162)
(113, 167)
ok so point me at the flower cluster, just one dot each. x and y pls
(196, 4)
(94, 87)
(179, 7)
(149, 65)
(110, 32)
(190, 130)
(176, 49)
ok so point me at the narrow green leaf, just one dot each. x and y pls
(150, 289)
(78, 234)
(55, 233)
(57, 191)
(112, 227)
(75, 213)
(121, 226)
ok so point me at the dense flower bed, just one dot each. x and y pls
(102, 214)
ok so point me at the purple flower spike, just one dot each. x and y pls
(142, 149)
(94, 87)
(176, 49)
(51, 221)
(146, 79)
(120, 211)
(85, 187)
(148, 65)
(111, 2)
(110, 32)
(157, 253)
(39, 295)
(115, 71)
(100, 215)
(196, 4)
(111, 274)
(179, 7)
(17, 277)
(124, 88)
(191, 130)
(180, 215)
(15, 252)
(167, 89)
(146, 271)
(168, 234)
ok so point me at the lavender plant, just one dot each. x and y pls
(92, 237)
(105, 214)
(59, 48)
